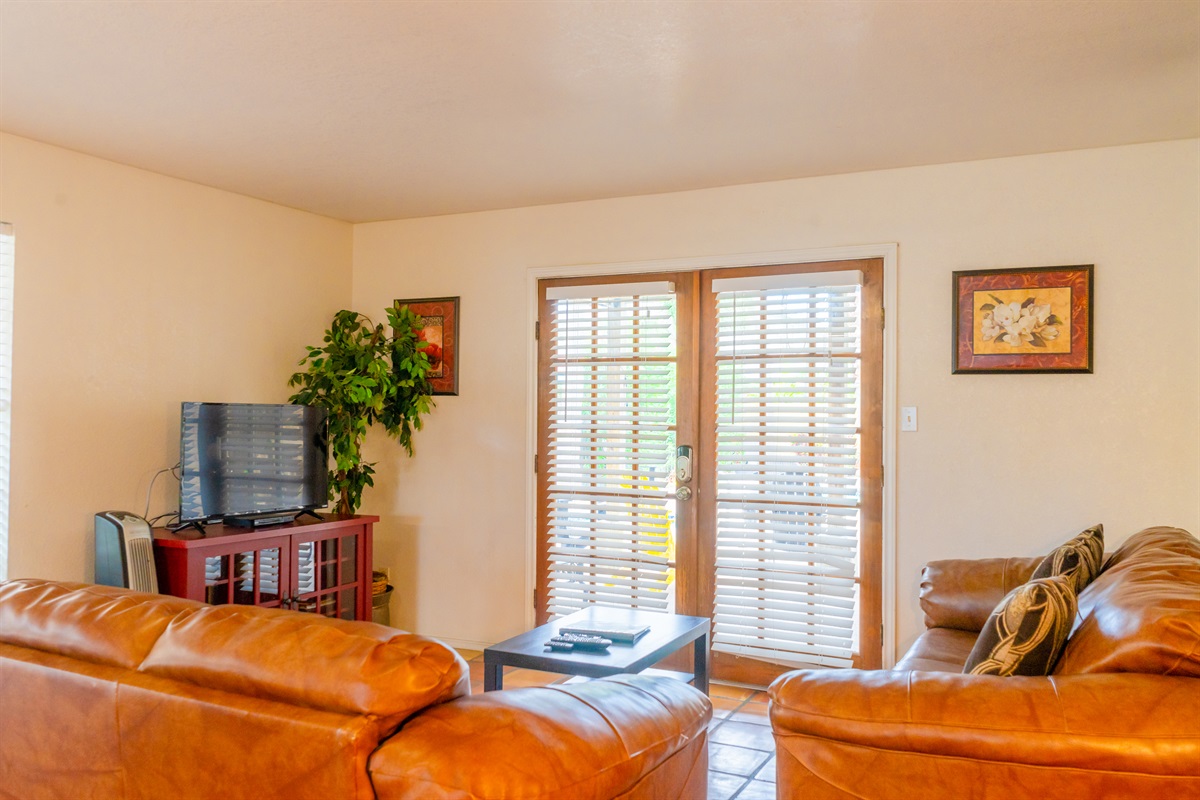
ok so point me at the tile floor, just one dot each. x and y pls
(741, 751)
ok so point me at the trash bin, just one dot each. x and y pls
(381, 609)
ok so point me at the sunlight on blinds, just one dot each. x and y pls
(611, 442)
(788, 484)
(6, 327)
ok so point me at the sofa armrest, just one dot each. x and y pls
(1146, 724)
(628, 736)
(962, 593)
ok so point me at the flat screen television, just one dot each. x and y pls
(246, 459)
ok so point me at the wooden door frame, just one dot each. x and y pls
(889, 252)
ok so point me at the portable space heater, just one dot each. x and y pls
(125, 551)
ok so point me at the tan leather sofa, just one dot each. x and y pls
(107, 693)
(1118, 718)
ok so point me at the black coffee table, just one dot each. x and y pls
(668, 633)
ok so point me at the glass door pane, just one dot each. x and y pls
(609, 426)
(216, 580)
(792, 497)
(327, 576)
(258, 576)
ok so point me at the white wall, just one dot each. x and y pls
(1001, 465)
(135, 292)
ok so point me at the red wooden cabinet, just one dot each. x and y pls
(320, 566)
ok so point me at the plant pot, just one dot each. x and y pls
(381, 609)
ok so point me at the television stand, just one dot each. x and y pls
(308, 512)
(197, 524)
(261, 520)
(308, 565)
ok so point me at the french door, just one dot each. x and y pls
(710, 443)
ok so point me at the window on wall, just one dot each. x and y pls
(6, 327)
(773, 376)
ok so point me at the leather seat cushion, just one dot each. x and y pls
(1142, 614)
(939, 650)
(98, 624)
(962, 594)
(487, 746)
(308, 660)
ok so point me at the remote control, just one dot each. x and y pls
(583, 642)
(560, 647)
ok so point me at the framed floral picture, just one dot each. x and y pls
(439, 329)
(1033, 319)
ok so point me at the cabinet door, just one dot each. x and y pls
(328, 574)
(256, 577)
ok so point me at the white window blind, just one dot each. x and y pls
(7, 252)
(611, 441)
(787, 482)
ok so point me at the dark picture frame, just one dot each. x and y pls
(439, 318)
(1027, 319)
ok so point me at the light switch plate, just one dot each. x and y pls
(908, 418)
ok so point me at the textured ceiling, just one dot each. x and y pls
(385, 110)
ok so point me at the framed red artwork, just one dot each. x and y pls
(1032, 319)
(439, 329)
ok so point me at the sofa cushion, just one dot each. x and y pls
(99, 624)
(309, 660)
(619, 736)
(1143, 613)
(1080, 559)
(1116, 726)
(962, 593)
(939, 650)
(1150, 542)
(1027, 631)
(58, 727)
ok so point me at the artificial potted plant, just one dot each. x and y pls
(362, 376)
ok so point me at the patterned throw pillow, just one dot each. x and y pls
(1026, 633)
(1079, 559)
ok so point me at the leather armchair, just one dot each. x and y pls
(1103, 725)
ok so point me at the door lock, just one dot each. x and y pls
(683, 493)
(683, 465)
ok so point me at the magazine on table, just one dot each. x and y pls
(626, 634)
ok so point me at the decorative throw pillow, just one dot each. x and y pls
(1026, 633)
(1079, 559)
(1091, 547)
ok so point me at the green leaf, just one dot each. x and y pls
(366, 373)
(1053, 320)
(1038, 341)
(1028, 302)
(999, 302)
(986, 307)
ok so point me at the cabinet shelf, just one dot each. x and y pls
(320, 566)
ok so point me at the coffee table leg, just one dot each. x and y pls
(700, 667)
(493, 675)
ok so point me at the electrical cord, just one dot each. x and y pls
(149, 491)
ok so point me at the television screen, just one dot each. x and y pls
(242, 458)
